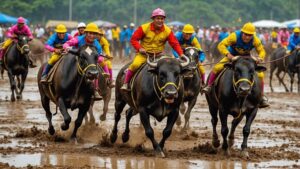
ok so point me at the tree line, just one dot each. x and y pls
(197, 12)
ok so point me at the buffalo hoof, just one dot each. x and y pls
(230, 142)
(92, 120)
(226, 152)
(19, 97)
(216, 143)
(103, 117)
(178, 121)
(159, 153)
(245, 154)
(64, 126)
(113, 137)
(125, 137)
(51, 130)
(12, 99)
(74, 140)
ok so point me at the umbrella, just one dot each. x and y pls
(106, 24)
(175, 23)
(8, 19)
(68, 24)
(268, 24)
(292, 23)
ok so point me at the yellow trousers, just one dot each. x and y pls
(54, 58)
(137, 62)
(220, 66)
(7, 43)
(201, 68)
(108, 63)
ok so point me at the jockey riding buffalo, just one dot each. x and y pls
(236, 93)
(16, 63)
(157, 90)
(289, 64)
(72, 86)
(192, 84)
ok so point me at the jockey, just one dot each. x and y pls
(81, 26)
(188, 38)
(151, 38)
(240, 43)
(55, 45)
(105, 46)
(294, 41)
(283, 37)
(19, 29)
(89, 37)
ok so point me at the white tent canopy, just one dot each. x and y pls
(292, 23)
(102, 23)
(268, 24)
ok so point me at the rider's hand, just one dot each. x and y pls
(230, 56)
(108, 57)
(297, 47)
(259, 60)
(142, 51)
(57, 51)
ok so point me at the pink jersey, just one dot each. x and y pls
(283, 37)
(23, 31)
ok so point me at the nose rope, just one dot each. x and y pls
(82, 71)
(167, 84)
(235, 83)
(158, 94)
(21, 49)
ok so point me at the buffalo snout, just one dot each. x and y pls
(170, 95)
(244, 89)
(92, 74)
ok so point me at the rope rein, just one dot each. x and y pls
(213, 63)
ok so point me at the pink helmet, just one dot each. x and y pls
(21, 20)
(158, 12)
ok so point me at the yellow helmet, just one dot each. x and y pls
(188, 28)
(248, 28)
(91, 27)
(60, 28)
(296, 30)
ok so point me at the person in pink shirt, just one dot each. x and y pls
(283, 37)
(19, 29)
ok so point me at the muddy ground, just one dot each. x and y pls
(274, 141)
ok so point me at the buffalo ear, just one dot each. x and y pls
(260, 68)
(228, 65)
(152, 70)
(74, 52)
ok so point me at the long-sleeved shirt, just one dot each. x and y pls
(223, 35)
(234, 44)
(123, 35)
(293, 42)
(129, 33)
(80, 41)
(105, 45)
(283, 37)
(153, 41)
(55, 43)
(23, 31)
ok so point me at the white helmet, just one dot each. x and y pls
(81, 25)
(132, 24)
